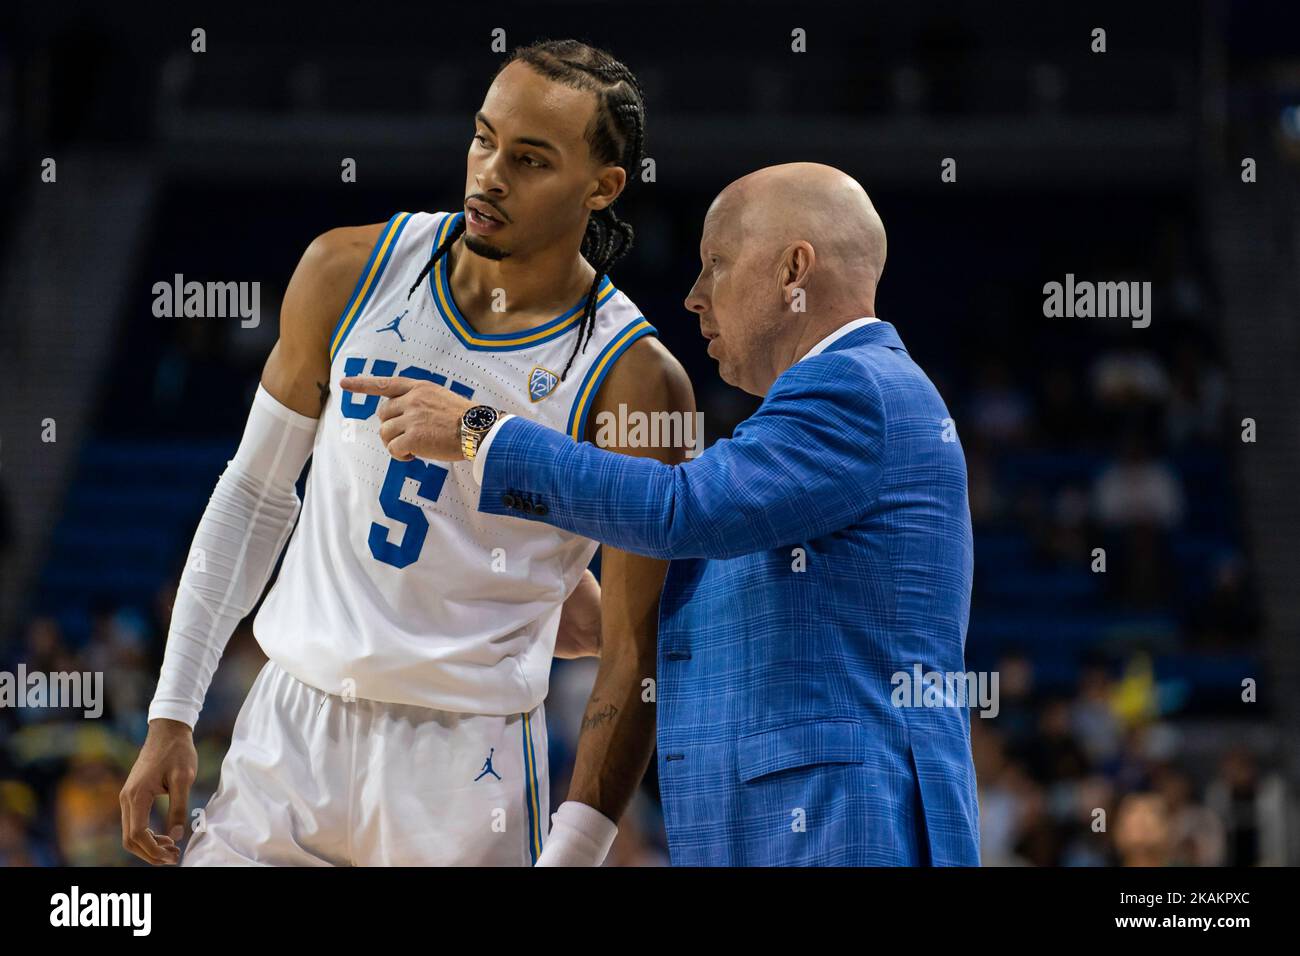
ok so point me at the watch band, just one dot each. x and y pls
(471, 438)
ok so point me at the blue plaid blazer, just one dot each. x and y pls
(821, 551)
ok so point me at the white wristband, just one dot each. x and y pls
(580, 836)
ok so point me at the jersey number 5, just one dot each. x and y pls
(429, 476)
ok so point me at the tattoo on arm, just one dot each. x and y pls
(602, 715)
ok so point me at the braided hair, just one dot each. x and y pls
(616, 137)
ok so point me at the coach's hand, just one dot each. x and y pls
(419, 419)
(167, 764)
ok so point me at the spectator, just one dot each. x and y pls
(1196, 833)
(88, 816)
(1093, 718)
(999, 410)
(1138, 490)
(1197, 399)
(1142, 835)
(1253, 805)
(18, 845)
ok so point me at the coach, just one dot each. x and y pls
(823, 550)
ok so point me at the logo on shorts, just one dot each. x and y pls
(487, 767)
(541, 382)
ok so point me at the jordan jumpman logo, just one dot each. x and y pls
(392, 326)
(487, 764)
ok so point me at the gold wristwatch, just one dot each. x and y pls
(474, 424)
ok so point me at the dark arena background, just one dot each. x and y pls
(1132, 480)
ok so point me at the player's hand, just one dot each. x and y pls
(167, 764)
(579, 634)
(418, 418)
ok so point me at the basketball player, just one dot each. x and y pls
(399, 718)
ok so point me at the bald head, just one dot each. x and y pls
(790, 253)
(824, 206)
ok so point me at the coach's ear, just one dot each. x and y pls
(610, 181)
(794, 269)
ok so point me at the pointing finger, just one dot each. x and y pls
(389, 386)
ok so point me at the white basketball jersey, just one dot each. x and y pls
(394, 586)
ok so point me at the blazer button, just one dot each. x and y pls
(508, 500)
(540, 509)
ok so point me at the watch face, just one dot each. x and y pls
(480, 418)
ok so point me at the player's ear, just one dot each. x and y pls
(609, 185)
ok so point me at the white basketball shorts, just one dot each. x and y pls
(313, 779)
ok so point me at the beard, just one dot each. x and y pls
(479, 247)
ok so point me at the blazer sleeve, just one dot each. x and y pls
(807, 463)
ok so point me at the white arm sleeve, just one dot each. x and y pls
(243, 529)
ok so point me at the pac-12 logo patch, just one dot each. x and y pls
(541, 382)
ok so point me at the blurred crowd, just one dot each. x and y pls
(1097, 777)
(1102, 477)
